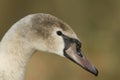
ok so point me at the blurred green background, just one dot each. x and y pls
(97, 24)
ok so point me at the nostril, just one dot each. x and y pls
(59, 32)
(80, 54)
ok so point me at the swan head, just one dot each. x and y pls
(48, 33)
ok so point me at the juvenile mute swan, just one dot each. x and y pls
(42, 32)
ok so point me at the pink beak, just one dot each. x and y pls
(80, 59)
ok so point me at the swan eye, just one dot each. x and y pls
(59, 33)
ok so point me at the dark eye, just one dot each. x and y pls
(59, 33)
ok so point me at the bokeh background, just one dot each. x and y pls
(97, 24)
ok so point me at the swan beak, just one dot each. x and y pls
(80, 59)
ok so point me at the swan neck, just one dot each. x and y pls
(14, 56)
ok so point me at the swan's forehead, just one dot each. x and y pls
(46, 24)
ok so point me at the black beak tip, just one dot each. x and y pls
(96, 73)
